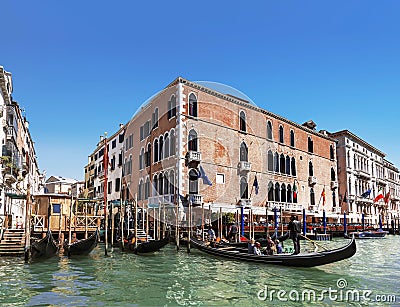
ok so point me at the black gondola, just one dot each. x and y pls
(146, 247)
(44, 248)
(82, 247)
(299, 260)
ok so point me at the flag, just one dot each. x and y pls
(202, 175)
(294, 189)
(387, 197)
(366, 193)
(323, 197)
(255, 184)
(378, 197)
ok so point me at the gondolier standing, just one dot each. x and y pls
(295, 230)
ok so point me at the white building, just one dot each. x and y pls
(60, 185)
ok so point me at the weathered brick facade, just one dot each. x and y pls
(220, 134)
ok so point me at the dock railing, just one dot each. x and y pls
(78, 222)
(2, 221)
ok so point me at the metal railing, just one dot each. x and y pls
(2, 221)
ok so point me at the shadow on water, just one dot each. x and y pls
(171, 278)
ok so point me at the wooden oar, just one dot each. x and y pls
(313, 242)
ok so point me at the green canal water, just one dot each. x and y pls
(171, 278)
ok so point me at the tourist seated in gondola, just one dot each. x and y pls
(270, 248)
(279, 249)
(250, 246)
(257, 249)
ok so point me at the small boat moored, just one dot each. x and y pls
(82, 247)
(44, 248)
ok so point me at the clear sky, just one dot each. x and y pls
(82, 67)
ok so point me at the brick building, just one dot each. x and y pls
(188, 131)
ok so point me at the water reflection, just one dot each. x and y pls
(170, 278)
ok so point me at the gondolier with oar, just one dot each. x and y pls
(295, 230)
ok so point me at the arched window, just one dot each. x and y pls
(332, 152)
(172, 143)
(276, 162)
(244, 189)
(171, 182)
(154, 119)
(148, 156)
(292, 138)
(283, 193)
(172, 107)
(287, 165)
(310, 145)
(270, 157)
(155, 185)
(293, 166)
(147, 188)
(333, 175)
(166, 183)
(270, 191)
(310, 169)
(282, 163)
(193, 184)
(192, 105)
(192, 140)
(141, 159)
(140, 190)
(161, 184)
(312, 197)
(166, 146)
(281, 134)
(289, 194)
(155, 150)
(269, 130)
(161, 150)
(242, 120)
(244, 154)
(277, 192)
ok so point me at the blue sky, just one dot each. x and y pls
(82, 67)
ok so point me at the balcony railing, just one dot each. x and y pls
(312, 180)
(11, 133)
(362, 173)
(162, 199)
(196, 199)
(285, 206)
(244, 166)
(245, 202)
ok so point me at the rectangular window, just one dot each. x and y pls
(56, 208)
(114, 143)
(109, 187)
(117, 184)
(220, 178)
(121, 138)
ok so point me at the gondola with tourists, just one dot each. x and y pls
(82, 247)
(44, 248)
(299, 260)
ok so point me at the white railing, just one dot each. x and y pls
(162, 199)
(38, 222)
(284, 206)
(244, 166)
(80, 221)
(196, 199)
(194, 156)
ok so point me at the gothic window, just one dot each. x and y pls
(277, 192)
(312, 197)
(332, 153)
(333, 175)
(282, 163)
(155, 150)
(293, 167)
(310, 145)
(192, 105)
(310, 169)
(270, 157)
(276, 162)
(244, 189)
(192, 140)
(283, 193)
(270, 191)
(244, 154)
(269, 130)
(292, 138)
(242, 120)
(287, 165)
(166, 146)
(289, 194)
(281, 134)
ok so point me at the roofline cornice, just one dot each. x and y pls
(364, 143)
(247, 105)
